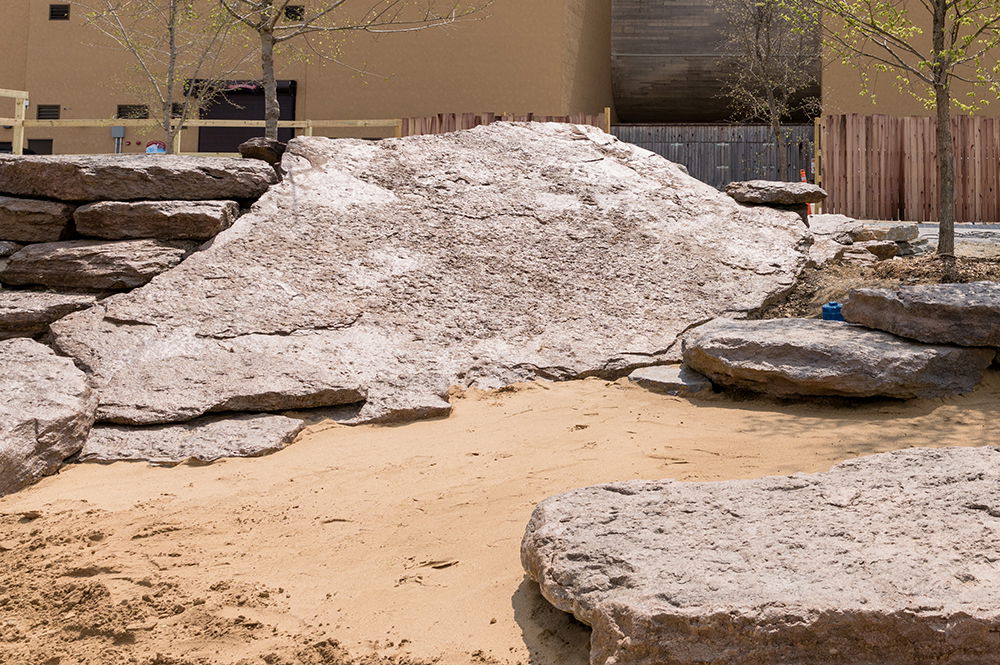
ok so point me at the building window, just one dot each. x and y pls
(58, 12)
(47, 111)
(133, 112)
(39, 147)
(295, 12)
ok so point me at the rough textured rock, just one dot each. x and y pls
(773, 192)
(264, 149)
(881, 249)
(29, 313)
(672, 380)
(133, 177)
(964, 314)
(897, 233)
(389, 271)
(28, 220)
(93, 264)
(921, 246)
(205, 439)
(8, 248)
(884, 560)
(838, 228)
(46, 410)
(792, 357)
(163, 220)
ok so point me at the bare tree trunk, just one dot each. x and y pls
(166, 115)
(272, 112)
(780, 147)
(946, 170)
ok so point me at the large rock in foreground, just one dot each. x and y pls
(389, 271)
(884, 560)
(164, 220)
(46, 410)
(133, 177)
(964, 314)
(28, 313)
(28, 220)
(794, 357)
(93, 264)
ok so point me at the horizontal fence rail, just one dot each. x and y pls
(453, 122)
(886, 167)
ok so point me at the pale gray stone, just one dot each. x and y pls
(46, 410)
(884, 560)
(93, 264)
(133, 177)
(793, 357)
(29, 313)
(389, 271)
(774, 192)
(29, 220)
(205, 439)
(921, 246)
(163, 220)
(8, 248)
(672, 380)
(963, 314)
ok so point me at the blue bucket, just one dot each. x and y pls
(831, 312)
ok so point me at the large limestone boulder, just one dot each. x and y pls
(793, 357)
(133, 177)
(388, 271)
(29, 313)
(205, 439)
(93, 264)
(164, 220)
(769, 192)
(46, 410)
(28, 220)
(884, 560)
(964, 314)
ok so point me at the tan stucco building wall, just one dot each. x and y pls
(519, 56)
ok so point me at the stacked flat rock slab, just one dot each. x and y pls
(93, 264)
(29, 313)
(8, 248)
(963, 314)
(163, 220)
(205, 439)
(28, 220)
(675, 380)
(388, 271)
(133, 177)
(46, 410)
(884, 560)
(801, 357)
(766, 192)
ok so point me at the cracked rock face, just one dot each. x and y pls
(29, 313)
(794, 357)
(46, 410)
(164, 220)
(964, 314)
(133, 177)
(884, 560)
(388, 271)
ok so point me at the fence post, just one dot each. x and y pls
(607, 119)
(818, 157)
(18, 142)
(176, 147)
(309, 128)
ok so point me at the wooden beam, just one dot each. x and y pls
(17, 145)
(16, 94)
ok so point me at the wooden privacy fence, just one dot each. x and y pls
(453, 122)
(885, 167)
(720, 154)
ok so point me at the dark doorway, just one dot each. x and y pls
(243, 100)
(40, 146)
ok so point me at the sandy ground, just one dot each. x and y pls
(398, 543)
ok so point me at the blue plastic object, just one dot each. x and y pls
(831, 312)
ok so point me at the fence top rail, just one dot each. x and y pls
(122, 122)
(16, 94)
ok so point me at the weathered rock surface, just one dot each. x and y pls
(884, 560)
(46, 410)
(163, 220)
(882, 250)
(93, 264)
(264, 149)
(389, 271)
(8, 248)
(920, 246)
(29, 313)
(897, 233)
(672, 380)
(793, 357)
(963, 314)
(205, 439)
(29, 220)
(774, 192)
(133, 177)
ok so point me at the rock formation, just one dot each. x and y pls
(28, 220)
(676, 380)
(768, 192)
(163, 220)
(887, 560)
(29, 313)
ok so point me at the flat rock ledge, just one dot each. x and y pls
(93, 264)
(204, 440)
(883, 560)
(29, 220)
(29, 313)
(133, 177)
(46, 410)
(163, 220)
(809, 357)
(766, 192)
(963, 314)
(676, 380)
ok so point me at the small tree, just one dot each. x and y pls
(277, 22)
(772, 61)
(889, 36)
(181, 48)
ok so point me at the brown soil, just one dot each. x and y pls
(389, 545)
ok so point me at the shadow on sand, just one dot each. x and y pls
(553, 637)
